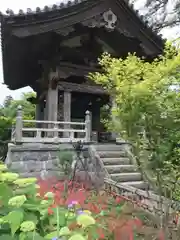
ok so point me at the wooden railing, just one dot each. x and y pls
(33, 131)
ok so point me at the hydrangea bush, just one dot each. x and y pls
(37, 210)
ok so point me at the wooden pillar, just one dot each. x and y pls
(39, 113)
(52, 93)
(52, 104)
(67, 111)
(45, 109)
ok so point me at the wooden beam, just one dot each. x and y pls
(84, 88)
(66, 70)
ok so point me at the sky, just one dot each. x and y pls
(22, 4)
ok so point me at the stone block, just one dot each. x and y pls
(42, 160)
(31, 166)
(92, 179)
(49, 174)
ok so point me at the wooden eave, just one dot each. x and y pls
(71, 13)
(59, 18)
(83, 88)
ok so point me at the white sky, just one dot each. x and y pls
(15, 5)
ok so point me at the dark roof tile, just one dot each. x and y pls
(55, 7)
(10, 12)
(21, 12)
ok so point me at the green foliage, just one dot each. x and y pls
(65, 161)
(7, 118)
(20, 214)
(26, 215)
(9, 110)
(147, 111)
(162, 13)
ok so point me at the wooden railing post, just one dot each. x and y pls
(88, 126)
(19, 125)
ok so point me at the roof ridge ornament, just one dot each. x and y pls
(108, 20)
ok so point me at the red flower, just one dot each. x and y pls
(138, 222)
(161, 235)
(118, 199)
(101, 234)
(50, 211)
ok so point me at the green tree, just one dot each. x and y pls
(9, 108)
(147, 111)
(8, 114)
(162, 13)
(7, 101)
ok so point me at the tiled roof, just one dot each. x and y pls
(57, 7)
(38, 10)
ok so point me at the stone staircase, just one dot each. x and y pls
(119, 166)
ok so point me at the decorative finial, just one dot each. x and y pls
(46, 8)
(29, 10)
(69, 3)
(19, 108)
(9, 12)
(21, 12)
(54, 7)
(62, 5)
(38, 9)
(87, 112)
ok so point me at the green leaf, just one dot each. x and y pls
(22, 236)
(34, 236)
(6, 193)
(14, 219)
(51, 235)
(6, 237)
(31, 190)
(93, 230)
(61, 218)
(31, 207)
(77, 237)
(29, 216)
(44, 214)
(4, 210)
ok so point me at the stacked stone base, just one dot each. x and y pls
(42, 161)
(36, 160)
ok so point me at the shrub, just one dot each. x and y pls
(38, 210)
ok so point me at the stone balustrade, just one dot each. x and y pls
(26, 131)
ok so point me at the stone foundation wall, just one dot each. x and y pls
(37, 160)
(42, 161)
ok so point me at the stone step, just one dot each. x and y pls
(120, 168)
(137, 184)
(125, 177)
(116, 161)
(110, 147)
(112, 154)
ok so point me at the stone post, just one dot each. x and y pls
(88, 126)
(19, 125)
(67, 112)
